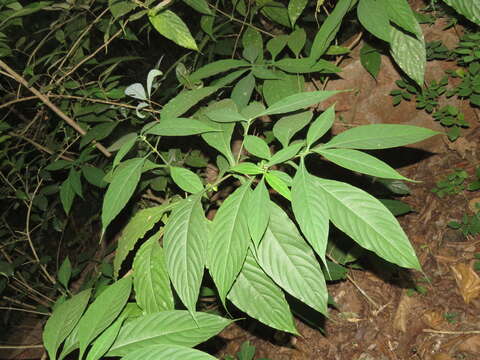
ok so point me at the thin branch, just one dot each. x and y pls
(445, 332)
(23, 310)
(39, 146)
(52, 106)
(39, 346)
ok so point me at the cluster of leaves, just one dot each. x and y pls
(452, 184)
(246, 352)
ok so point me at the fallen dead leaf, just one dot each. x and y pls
(433, 319)
(471, 345)
(467, 280)
(472, 204)
(441, 356)
(405, 307)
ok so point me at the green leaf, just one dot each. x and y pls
(94, 176)
(75, 182)
(103, 342)
(396, 207)
(176, 327)
(62, 321)
(259, 212)
(321, 125)
(184, 101)
(278, 185)
(257, 147)
(120, 190)
(186, 179)
(67, 195)
(98, 132)
(400, 13)
(227, 114)
(276, 45)
(361, 162)
(296, 40)
(179, 127)
(230, 240)
(329, 28)
(295, 9)
(138, 226)
(65, 272)
(379, 136)
(367, 221)
(167, 351)
(126, 146)
(370, 59)
(285, 154)
(150, 277)
(409, 53)
(276, 90)
(468, 8)
(269, 305)
(247, 168)
(120, 7)
(310, 210)
(168, 24)
(253, 110)
(200, 5)
(101, 313)
(242, 91)
(252, 42)
(290, 262)
(185, 242)
(70, 344)
(306, 65)
(298, 101)
(285, 128)
(373, 17)
(275, 11)
(215, 68)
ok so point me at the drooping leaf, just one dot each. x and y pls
(186, 179)
(137, 227)
(170, 25)
(468, 8)
(200, 5)
(409, 53)
(400, 13)
(275, 11)
(242, 91)
(321, 125)
(121, 188)
(257, 147)
(150, 277)
(179, 127)
(137, 91)
(230, 240)
(329, 28)
(259, 212)
(297, 38)
(269, 305)
(298, 101)
(295, 9)
(310, 210)
(370, 59)
(70, 344)
(120, 7)
(374, 17)
(290, 262)
(65, 272)
(168, 351)
(67, 195)
(276, 45)
(368, 222)
(278, 185)
(103, 311)
(216, 67)
(62, 321)
(176, 327)
(285, 128)
(379, 136)
(103, 342)
(185, 242)
(361, 162)
(94, 176)
(152, 74)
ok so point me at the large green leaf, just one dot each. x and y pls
(367, 221)
(285, 128)
(329, 28)
(138, 226)
(184, 101)
(185, 241)
(379, 136)
(259, 212)
(176, 327)
(361, 162)
(70, 344)
(121, 188)
(242, 91)
(179, 127)
(103, 342)
(62, 321)
(290, 262)
(310, 210)
(150, 277)
(172, 27)
(401, 14)
(257, 295)
(257, 147)
(278, 185)
(276, 90)
(409, 53)
(298, 101)
(468, 8)
(374, 17)
(215, 68)
(321, 125)
(101, 313)
(230, 240)
(167, 351)
(186, 179)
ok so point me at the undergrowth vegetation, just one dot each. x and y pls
(144, 142)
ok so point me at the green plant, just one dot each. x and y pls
(469, 225)
(451, 317)
(247, 352)
(452, 184)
